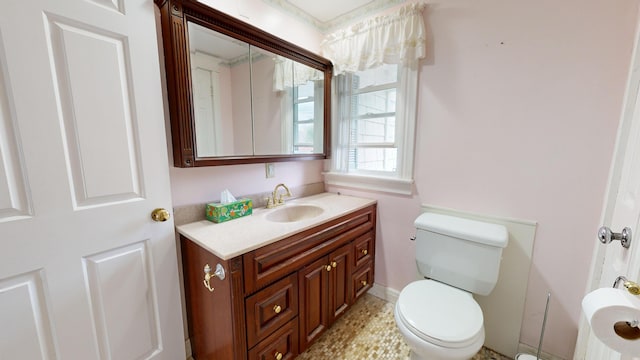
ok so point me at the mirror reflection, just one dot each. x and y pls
(287, 105)
(249, 101)
(220, 79)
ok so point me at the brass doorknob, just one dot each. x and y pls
(328, 267)
(160, 214)
(334, 264)
(365, 251)
(277, 309)
(363, 282)
(278, 355)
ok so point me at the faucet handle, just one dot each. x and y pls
(269, 201)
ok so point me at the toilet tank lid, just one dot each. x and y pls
(472, 230)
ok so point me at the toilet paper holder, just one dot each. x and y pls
(632, 287)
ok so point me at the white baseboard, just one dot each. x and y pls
(526, 349)
(384, 293)
(187, 347)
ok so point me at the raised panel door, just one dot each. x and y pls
(314, 297)
(84, 271)
(340, 281)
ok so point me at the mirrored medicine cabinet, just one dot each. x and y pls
(240, 95)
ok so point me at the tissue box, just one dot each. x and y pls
(222, 212)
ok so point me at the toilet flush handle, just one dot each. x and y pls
(413, 238)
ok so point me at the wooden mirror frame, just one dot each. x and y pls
(174, 17)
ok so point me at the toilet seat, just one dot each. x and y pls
(440, 314)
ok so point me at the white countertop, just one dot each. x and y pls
(236, 237)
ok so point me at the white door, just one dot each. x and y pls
(206, 104)
(84, 272)
(622, 209)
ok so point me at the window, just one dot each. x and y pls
(374, 105)
(303, 118)
(374, 122)
(373, 110)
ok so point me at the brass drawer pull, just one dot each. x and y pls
(328, 267)
(334, 264)
(365, 251)
(278, 355)
(277, 309)
(363, 282)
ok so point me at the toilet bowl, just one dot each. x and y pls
(439, 322)
(439, 318)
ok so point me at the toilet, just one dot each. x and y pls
(438, 317)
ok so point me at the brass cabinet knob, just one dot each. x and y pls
(363, 282)
(278, 355)
(334, 264)
(365, 251)
(328, 267)
(160, 214)
(277, 309)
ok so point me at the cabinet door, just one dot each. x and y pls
(314, 315)
(340, 281)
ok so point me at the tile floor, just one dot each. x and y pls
(368, 331)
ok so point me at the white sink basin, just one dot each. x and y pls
(292, 213)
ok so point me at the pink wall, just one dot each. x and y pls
(518, 109)
(241, 93)
(266, 106)
(526, 97)
(226, 110)
(199, 185)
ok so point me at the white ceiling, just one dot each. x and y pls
(329, 15)
(328, 10)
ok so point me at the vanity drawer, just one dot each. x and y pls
(282, 344)
(363, 249)
(271, 262)
(271, 308)
(362, 280)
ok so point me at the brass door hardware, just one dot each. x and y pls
(160, 215)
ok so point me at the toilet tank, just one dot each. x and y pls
(460, 252)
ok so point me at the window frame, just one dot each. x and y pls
(399, 182)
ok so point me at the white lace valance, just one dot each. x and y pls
(288, 73)
(398, 38)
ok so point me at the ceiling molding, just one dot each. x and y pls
(339, 21)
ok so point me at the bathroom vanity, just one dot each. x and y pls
(289, 273)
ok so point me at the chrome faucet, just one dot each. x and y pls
(276, 200)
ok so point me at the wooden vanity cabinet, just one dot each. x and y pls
(277, 299)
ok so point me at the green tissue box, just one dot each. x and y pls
(222, 212)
